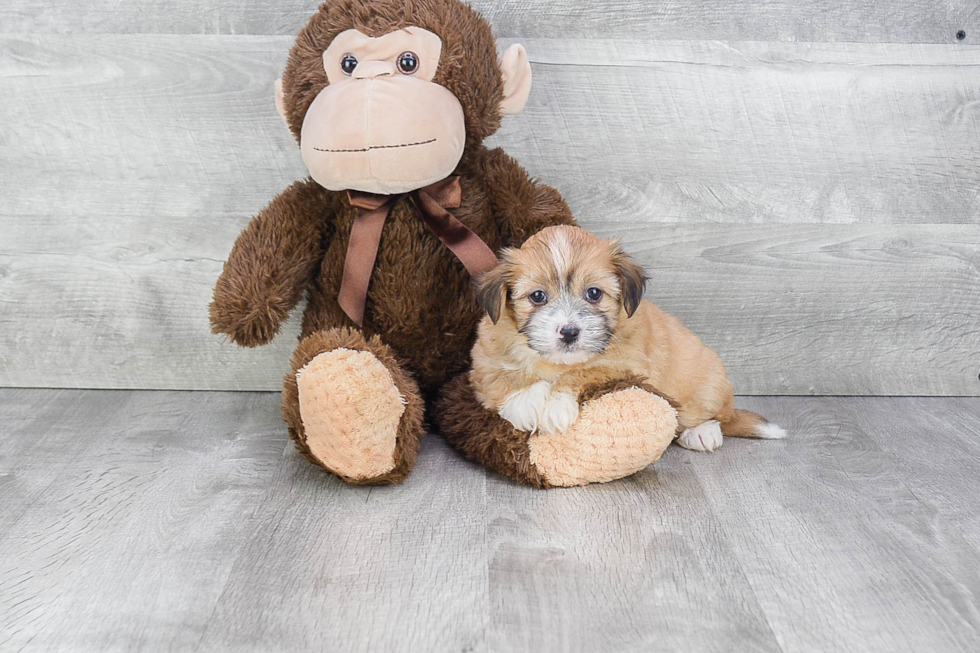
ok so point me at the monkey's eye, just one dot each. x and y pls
(538, 297)
(408, 62)
(593, 295)
(348, 64)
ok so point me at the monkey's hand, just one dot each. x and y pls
(271, 265)
(251, 317)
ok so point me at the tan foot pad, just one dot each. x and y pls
(350, 409)
(615, 435)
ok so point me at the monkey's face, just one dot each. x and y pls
(384, 96)
(382, 125)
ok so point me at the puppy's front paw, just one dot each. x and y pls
(703, 437)
(523, 408)
(559, 413)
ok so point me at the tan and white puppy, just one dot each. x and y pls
(566, 310)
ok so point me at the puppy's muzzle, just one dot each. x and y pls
(569, 333)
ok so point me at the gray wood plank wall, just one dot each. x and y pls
(866, 21)
(810, 208)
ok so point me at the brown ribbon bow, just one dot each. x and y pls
(365, 236)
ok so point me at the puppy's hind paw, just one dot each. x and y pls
(523, 408)
(703, 437)
(559, 413)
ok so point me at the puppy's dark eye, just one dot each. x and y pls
(348, 64)
(408, 62)
(593, 295)
(538, 297)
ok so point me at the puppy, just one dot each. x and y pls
(566, 310)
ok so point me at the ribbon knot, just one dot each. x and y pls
(365, 236)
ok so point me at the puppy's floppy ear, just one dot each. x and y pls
(632, 280)
(491, 291)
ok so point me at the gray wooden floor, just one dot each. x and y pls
(135, 520)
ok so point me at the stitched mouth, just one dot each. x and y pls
(377, 147)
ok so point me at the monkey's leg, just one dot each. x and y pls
(623, 426)
(352, 409)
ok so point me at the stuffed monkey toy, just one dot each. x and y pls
(390, 101)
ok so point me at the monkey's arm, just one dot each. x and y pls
(271, 264)
(523, 206)
(624, 425)
(578, 380)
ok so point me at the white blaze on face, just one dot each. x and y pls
(560, 253)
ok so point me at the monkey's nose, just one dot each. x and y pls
(369, 69)
(569, 333)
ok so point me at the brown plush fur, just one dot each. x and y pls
(595, 390)
(483, 436)
(421, 311)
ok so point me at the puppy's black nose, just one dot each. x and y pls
(569, 333)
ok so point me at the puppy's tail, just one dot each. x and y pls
(746, 424)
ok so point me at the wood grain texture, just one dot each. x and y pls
(793, 309)
(836, 184)
(396, 568)
(184, 521)
(122, 513)
(836, 529)
(900, 21)
(142, 127)
(754, 132)
(159, 126)
(636, 565)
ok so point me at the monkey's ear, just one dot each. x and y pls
(516, 71)
(281, 102)
(491, 291)
(632, 280)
